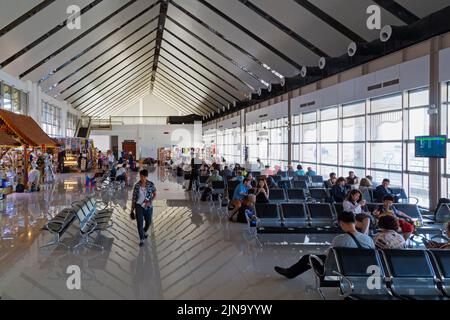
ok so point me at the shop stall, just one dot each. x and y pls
(24, 141)
(80, 154)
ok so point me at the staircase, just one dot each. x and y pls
(83, 128)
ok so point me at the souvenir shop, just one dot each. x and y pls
(80, 154)
(24, 146)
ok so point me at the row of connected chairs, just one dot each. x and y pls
(90, 216)
(370, 274)
(295, 215)
(283, 216)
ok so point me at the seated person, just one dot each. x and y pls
(239, 194)
(310, 172)
(290, 171)
(330, 182)
(226, 172)
(350, 239)
(383, 190)
(33, 179)
(204, 170)
(112, 173)
(352, 179)
(121, 173)
(247, 204)
(373, 183)
(388, 237)
(406, 224)
(300, 171)
(213, 177)
(262, 191)
(271, 184)
(439, 245)
(267, 171)
(365, 183)
(355, 203)
(339, 192)
(239, 177)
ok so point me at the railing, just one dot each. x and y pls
(128, 120)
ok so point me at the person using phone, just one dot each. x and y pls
(262, 191)
(144, 192)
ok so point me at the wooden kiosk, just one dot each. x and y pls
(26, 133)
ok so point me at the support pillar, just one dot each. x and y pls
(435, 104)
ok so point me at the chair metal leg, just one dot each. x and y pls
(85, 242)
(55, 242)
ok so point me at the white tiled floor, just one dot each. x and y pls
(190, 254)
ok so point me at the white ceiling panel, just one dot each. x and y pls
(108, 103)
(171, 53)
(37, 26)
(422, 8)
(112, 109)
(220, 44)
(258, 26)
(98, 55)
(308, 27)
(246, 76)
(183, 95)
(187, 108)
(208, 63)
(90, 39)
(92, 84)
(356, 17)
(199, 81)
(96, 69)
(93, 98)
(11, 10)
(63, 36)
(268, 32)
(112, 98)
(98, 87)
(186, 84)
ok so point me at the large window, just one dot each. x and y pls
(268, 141)
(51, 119)
(71, 126)
(373, 136)
(229, 144)
(13, 99)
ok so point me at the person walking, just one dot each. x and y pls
(144, 192)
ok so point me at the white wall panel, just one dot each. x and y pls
(275, 111)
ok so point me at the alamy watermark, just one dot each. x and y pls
(74, 19)
(374, 19)
(73, 282)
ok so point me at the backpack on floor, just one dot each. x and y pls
(20, 188)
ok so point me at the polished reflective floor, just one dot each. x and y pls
(190, 254)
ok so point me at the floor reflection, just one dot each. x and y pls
(190, 254)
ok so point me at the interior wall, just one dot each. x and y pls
(151, 137)
(152, 107)
(35, 98)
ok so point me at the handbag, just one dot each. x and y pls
(132, 215)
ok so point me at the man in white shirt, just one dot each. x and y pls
(33, 179)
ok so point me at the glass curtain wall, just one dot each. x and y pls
(229, 144)
(371, 137)
(268, 141)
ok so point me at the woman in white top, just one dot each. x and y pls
(354, 203)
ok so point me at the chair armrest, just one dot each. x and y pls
(316, 258)
(349, 282)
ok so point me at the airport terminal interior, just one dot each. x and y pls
(224, 150)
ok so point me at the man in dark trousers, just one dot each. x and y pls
(61, 158)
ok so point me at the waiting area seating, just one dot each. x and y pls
(92, 216)
(369, 274)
